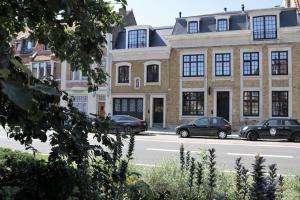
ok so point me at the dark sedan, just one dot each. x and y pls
(206, 126)
(278, 128)
(128, 124)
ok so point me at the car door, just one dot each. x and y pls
(288, 125)
(271, 129)
(201, 127)
(214, 126)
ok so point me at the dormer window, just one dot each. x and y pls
(137, 38)
(265, 27)
(26, 46)
(222, 25)
(193, 27)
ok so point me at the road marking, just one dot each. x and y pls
(262, 155)
(169, 150)
(208, 142)
(145, 165)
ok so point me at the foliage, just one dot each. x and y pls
(258, 189)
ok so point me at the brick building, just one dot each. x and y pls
(242, 65)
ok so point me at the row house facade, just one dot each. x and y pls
(243, 66)
(43, 63)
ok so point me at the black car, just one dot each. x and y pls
(128, 124)
(272, 129)
(206, 126)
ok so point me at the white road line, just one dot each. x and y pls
(208, 142)
(145, 165)
(168, 150)
(263, 155)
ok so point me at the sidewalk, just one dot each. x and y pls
(166, 131)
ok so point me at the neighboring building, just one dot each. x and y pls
(243, 66)
(42, 62)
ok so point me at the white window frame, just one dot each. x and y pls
(145, 72)
(81, 79)
(117, 73)
(218, 17)
(45, 67)
(188, 20)
(82, 102)
(139, 27)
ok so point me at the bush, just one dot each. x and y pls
(24, 177)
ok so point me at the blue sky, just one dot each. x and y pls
(164, 12)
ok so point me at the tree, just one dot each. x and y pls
(75, 30)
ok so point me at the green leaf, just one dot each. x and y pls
(20, 66)
(18, 95)
(45, 89)
(4, 73)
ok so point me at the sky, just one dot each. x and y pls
(163, 12)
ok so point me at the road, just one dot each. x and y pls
(154, 149)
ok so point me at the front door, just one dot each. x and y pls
(223, 105)
(158, 110)
(101, 109)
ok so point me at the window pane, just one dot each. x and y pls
(251, 103)
(251, 64)
(193, 65)
(264, 27)
(123, 74)
(222, 25)
(137, 38)
(41, 69)
(193, 27)
(193, 103)
(222, 64)
(280, 103)
(48, 69)
(279, 62)
(152, 73)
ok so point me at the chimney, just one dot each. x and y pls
(122, 11)
(243, 7)
(225, 9)
(180, 14)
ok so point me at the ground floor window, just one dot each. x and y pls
(81, 103)
(193, 103)
(128, 106)
(280, 105)
(251, 103)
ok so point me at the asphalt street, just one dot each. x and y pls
(155, 149)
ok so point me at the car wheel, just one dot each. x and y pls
(128, 130)
(184, 133)
(222, 135)
(252, 136)
(296, 137)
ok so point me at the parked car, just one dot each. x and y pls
(205, 126)
(128, 124)
(279, 128)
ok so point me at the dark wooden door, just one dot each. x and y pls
(158, 110)
(223, 105)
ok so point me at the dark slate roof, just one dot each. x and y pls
(288, 18)
(155, 35)
(237, 21)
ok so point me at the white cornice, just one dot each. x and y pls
(152, 53)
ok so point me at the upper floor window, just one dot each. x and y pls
(264, 27)
(42, 69)
(193, 65)
(279, 62)
(152, 74)
(123, 74)
(25, 47)
(193, 27)
(251, 64)
(222, 64)
(222, 25)
(137, 38)
(47, 47)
